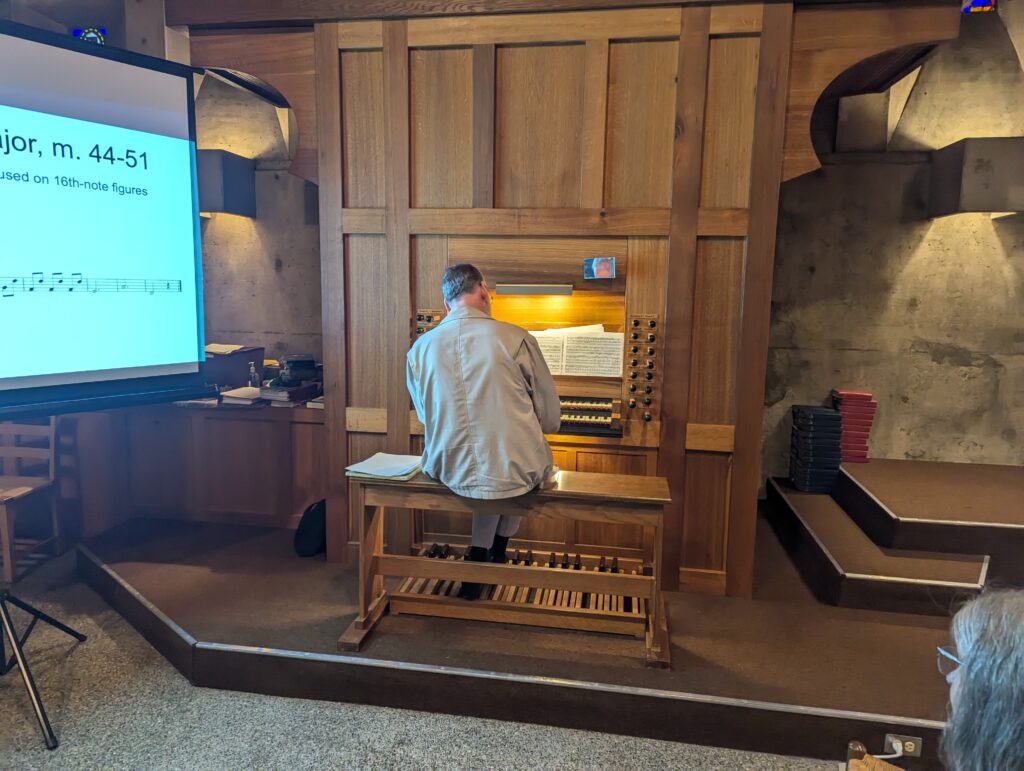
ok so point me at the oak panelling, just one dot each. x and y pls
(368, 285)
(363, 137)
(726, 17)
(286, 61)
(680, 272)
(641, 94)
(827, 41)
(538, 116)
(441, 112)
(548, 222)
(706, 510)
(729, 122)
(716, 318)
(231, 491)
(541, 260)
(710, 437)
(332, 285)
(769, 133)
(595, 113)
(483, 126)
(429, 259)
(158, 449)
(648, 261)
(610, 462)
(310, 473)
(361, 447)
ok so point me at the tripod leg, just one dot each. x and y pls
(45, 618)
(26, 675)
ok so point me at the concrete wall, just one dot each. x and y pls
(262, 275)
(926, 314)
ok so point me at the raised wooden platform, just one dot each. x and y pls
(232, 607)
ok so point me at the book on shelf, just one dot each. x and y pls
(246, 396)
(317, 403)
(291, 393)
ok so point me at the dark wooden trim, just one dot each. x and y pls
(332, 282)
(691, 89)
(721, 222)
(398, 295)
(243, 13)
(766, 174)
(170, 640)
(483, 126)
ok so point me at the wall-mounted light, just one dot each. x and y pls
(227, 183)
(534, 289)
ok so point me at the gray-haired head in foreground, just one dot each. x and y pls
(985, 730)
(459, 279)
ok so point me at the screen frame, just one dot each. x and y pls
(104, 394)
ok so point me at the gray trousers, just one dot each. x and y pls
(485, 526)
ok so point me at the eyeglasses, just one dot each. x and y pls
(947, 660)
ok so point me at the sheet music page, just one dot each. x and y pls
(587, 329)
(594, 355)
(552, 348)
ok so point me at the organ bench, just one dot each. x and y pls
(586, 597)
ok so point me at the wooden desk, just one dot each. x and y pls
(574, 495)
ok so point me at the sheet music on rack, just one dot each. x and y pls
(39, 283)
(585, 351)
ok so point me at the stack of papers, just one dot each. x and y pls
(220, 349)
(587, 351)
(386, 466)
(316, 404)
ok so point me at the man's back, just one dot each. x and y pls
(486, 398)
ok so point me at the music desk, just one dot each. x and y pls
(586, 599)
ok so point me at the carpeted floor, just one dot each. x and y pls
(115, 703)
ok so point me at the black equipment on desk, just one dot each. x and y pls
(297, 369)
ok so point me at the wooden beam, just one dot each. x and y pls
(240, 13)
(398, 316)
(632, 24)
(547, 222)
(769, 136)
(483, 126)
(710, 437)
(682, 265)
(332, 283)
(595, 114)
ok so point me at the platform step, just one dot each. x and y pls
(843, 566)
(940, 507)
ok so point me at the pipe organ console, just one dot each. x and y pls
(584, 415)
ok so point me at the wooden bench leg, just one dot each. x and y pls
(55, 523)
(373, 600)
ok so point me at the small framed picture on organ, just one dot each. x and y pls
(978, 6)
(598, 267)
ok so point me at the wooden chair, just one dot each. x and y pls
(28, 472)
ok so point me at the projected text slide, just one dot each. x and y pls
(97, 264)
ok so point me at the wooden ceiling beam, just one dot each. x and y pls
(200, 14)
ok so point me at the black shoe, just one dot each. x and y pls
(498, 549)
(470, 591)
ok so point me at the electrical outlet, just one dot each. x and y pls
(911, 744)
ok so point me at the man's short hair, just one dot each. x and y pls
(459, 279)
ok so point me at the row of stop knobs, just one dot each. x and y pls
(642, 343)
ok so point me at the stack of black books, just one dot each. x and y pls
(815, 452)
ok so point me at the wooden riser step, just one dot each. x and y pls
(843, 566)
(941, 507)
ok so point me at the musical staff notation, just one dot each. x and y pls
(63, 283)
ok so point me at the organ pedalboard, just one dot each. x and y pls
(591, 416)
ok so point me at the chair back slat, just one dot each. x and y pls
(27, 449)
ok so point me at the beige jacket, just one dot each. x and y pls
(486, 399)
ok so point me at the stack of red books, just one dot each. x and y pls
(857, 409)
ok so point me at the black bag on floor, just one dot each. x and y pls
(311, 535)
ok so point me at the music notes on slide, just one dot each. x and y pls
(76, 283)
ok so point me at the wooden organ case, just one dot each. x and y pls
(526, 142)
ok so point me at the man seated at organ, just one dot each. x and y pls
(486, 398)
